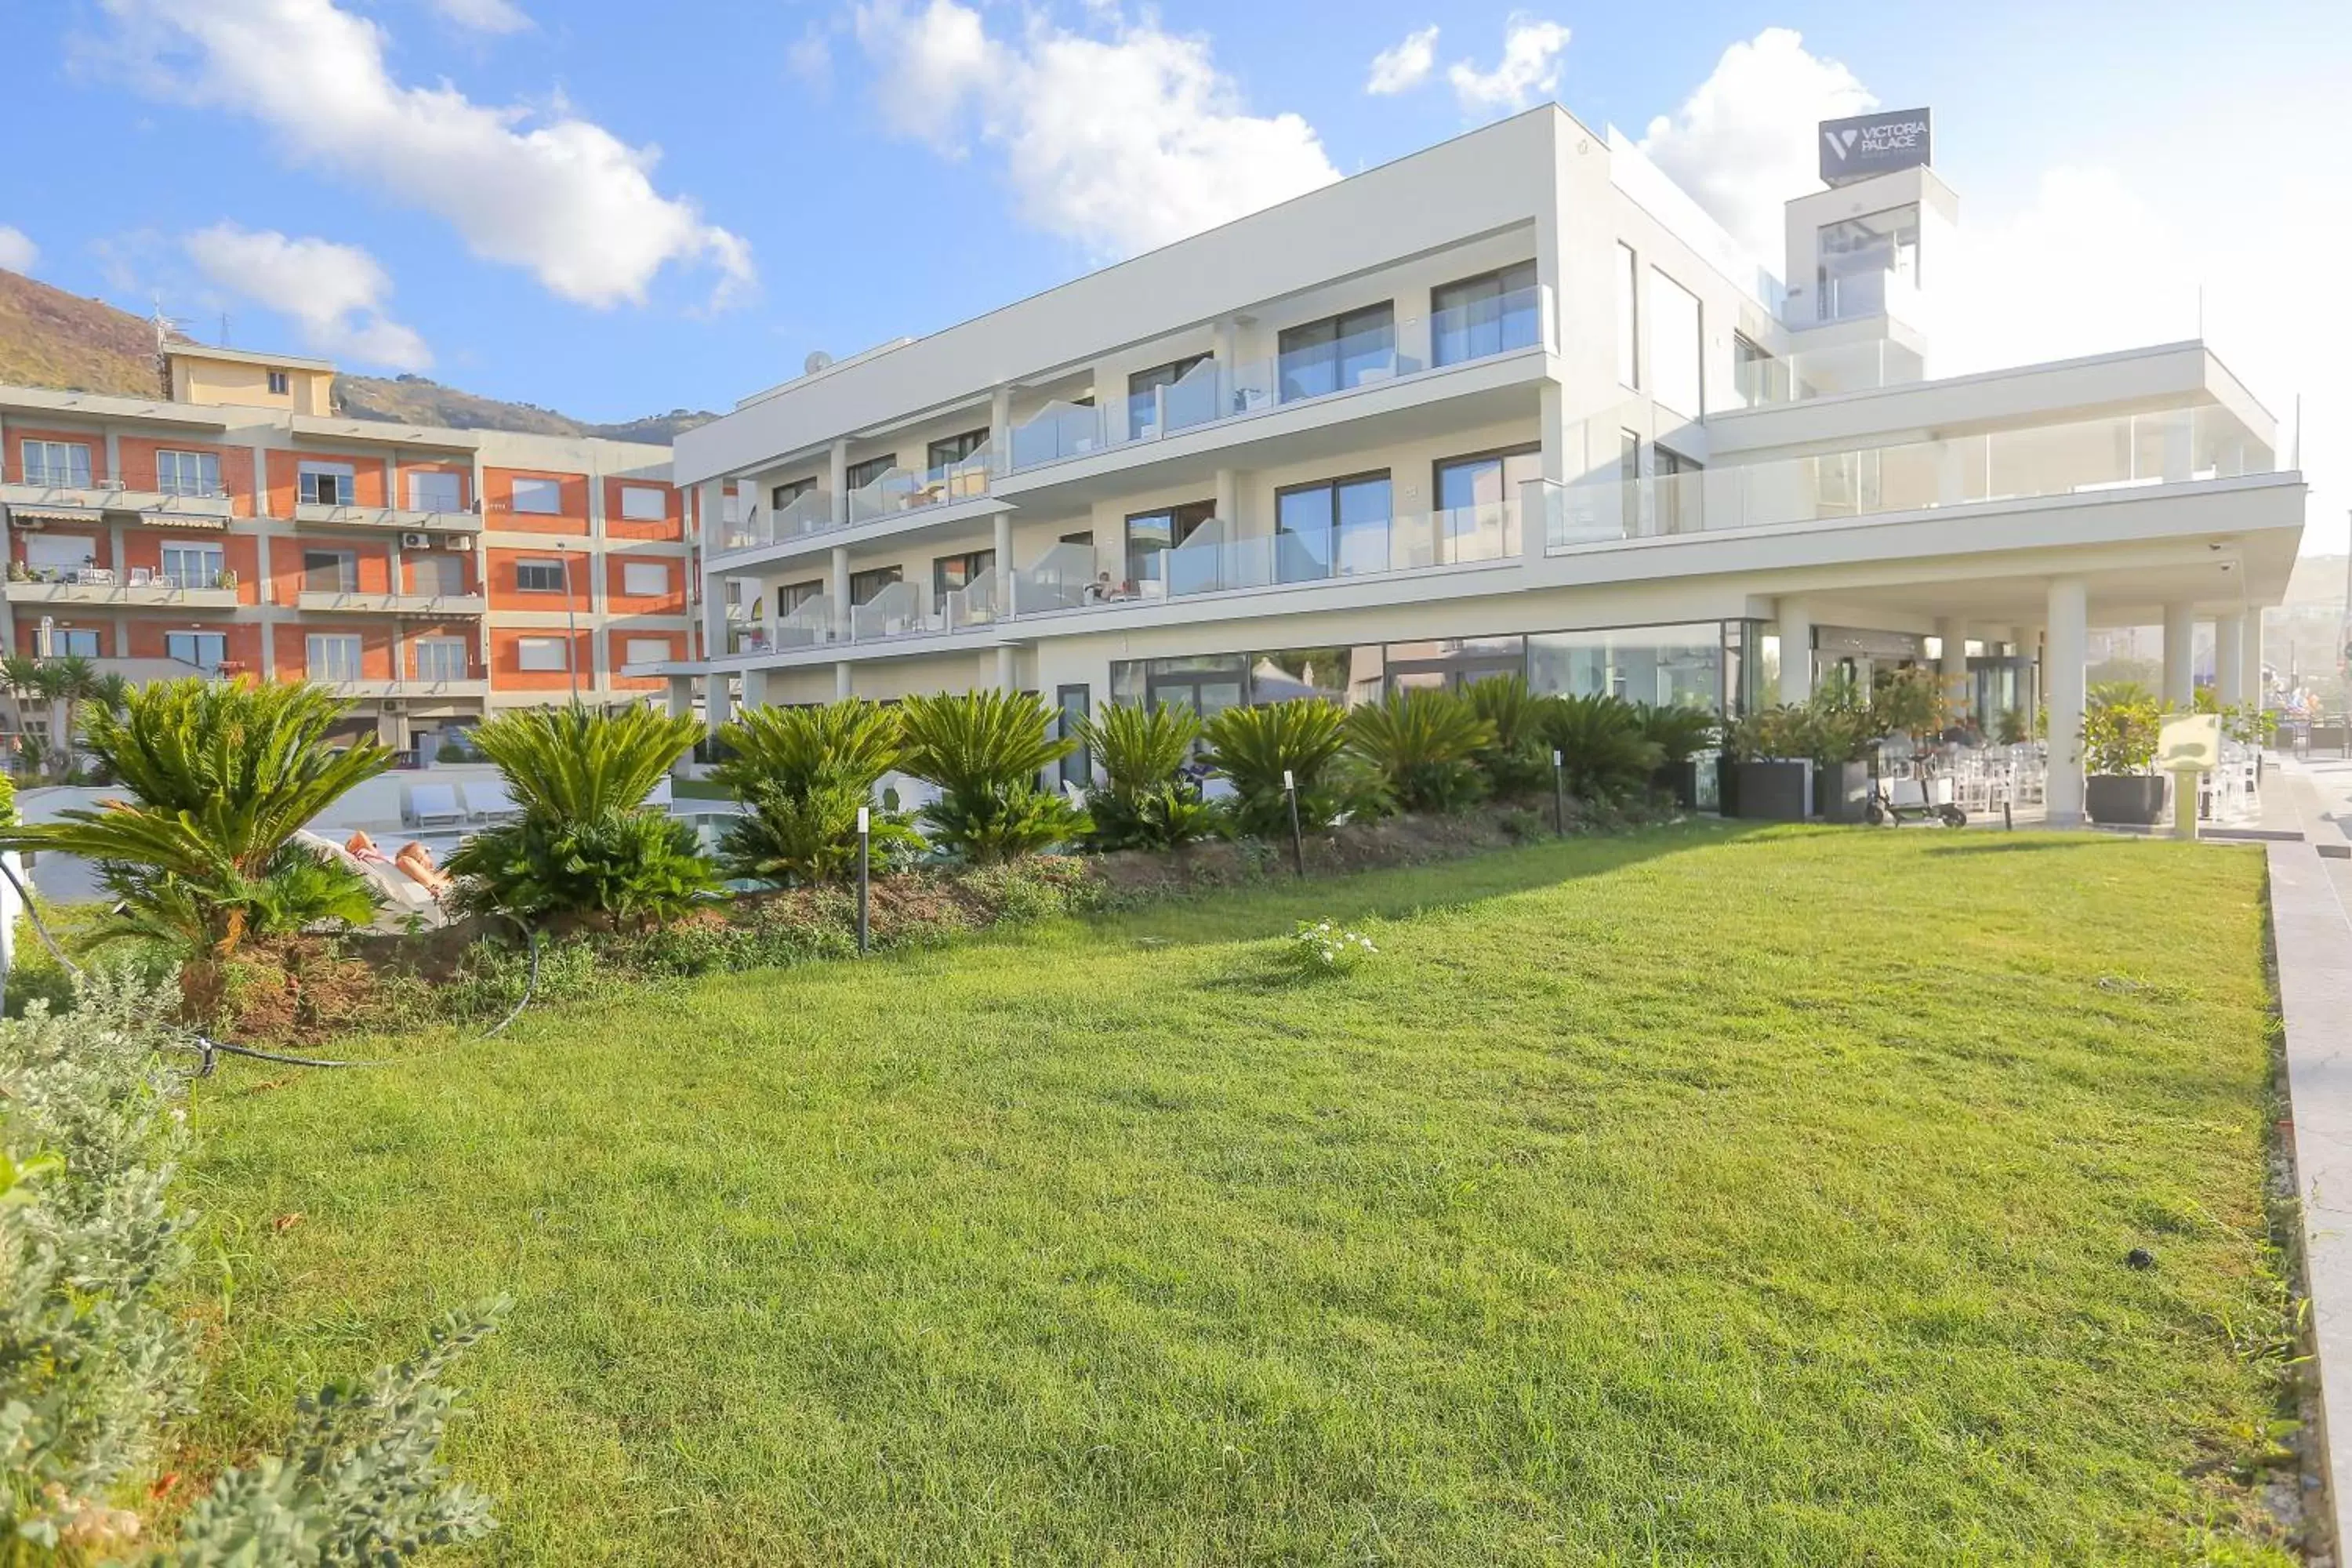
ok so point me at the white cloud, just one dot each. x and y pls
(1742, 144)
(1407, 64)
(335, 292)
(562, 197)
(17, 251)
(1123, 142)
(486, 16)
(1527, 71)
(810, 58)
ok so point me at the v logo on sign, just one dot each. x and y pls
(1841, 142)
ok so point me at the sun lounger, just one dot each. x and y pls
(431, 805)
(491, 801)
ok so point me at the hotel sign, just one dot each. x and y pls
(1870, 144)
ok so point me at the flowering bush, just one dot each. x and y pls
(1318, 947)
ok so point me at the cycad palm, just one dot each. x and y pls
(984, 750)
(1421, 739)
(851, 743)
(576, 765)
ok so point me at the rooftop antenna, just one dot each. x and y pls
(224, 332)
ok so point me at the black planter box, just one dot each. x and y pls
(2125, 800)
(1773, 791)
(1679, 780)
(1841, 791)
(1727, 785)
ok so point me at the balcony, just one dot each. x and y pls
(898, 492)
(1065, 580)
(379, 518)
(70, 493)
(1212, 393)
(472, 688)
(98, 587)
(2126, 452)
(436, 604)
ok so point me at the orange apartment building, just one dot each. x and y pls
(238, 528)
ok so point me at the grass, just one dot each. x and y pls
(1684, 1197)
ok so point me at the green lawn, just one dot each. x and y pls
(1686, 1197)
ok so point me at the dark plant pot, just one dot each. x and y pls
(1727, 785)
(1679, 780)
(1842, 790)
(2125, 800)
(1775, 791)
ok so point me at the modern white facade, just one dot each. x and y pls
(1509, 403)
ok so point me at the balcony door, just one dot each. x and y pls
(1476, 498)
(1334, 528)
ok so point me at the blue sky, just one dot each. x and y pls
(468, 186)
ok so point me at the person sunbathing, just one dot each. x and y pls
(417, 862)
(359, 846)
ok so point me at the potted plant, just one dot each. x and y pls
(1773, 779)
(2011, 727)
(226, 578)
(1839, 738)
(2120, 737)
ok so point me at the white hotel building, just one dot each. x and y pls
(1512, 403)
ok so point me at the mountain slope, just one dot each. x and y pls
(53, 338)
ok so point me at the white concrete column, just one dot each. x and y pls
(841, 680)
(839, 589)
(2229, 658)
(1796, 651)
(1000, 430)
(1007, 675)
(755, 688)
(2251, 672)
(2064, 662)
(837, 481)
(1229, 501)
(681, 696)
(718, 703)
(2179, 658)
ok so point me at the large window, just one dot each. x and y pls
(1488, 480)
(1671, 666)
(864, 474)
(1331, 528)
(1486, 315)
(192, 565)
(1207, 685)
(951, 572)
(540, 577)
(327, 484)
(791, 597)
(57, 463)
(1678, 504)
(1675, 346)
(434, 490)
(647, 650)
(1858, 256)
(440, 658)
(783, 496)
(1143, 392)
(644, 579)
(540, 498)
(644, 503)
(187, 473)
(1150, 532)
(542, 655)
(1077, 768)
(1629, 316)
(1757, 378)
(1453, 662)
(331, 571)
(1338, 352)
(956, 448)
(73, 642)
(864, 585)
(333, 655)
(206, 650)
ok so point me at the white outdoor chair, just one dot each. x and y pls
(431, 805)
(491, 801)
(660, 795)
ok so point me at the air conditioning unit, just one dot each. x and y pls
(417, 542)
(455, 541)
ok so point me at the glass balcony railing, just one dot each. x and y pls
(2126, 452)
(889, 494)
(1206, 564)
(1213, 391)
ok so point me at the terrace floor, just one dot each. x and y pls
(1694, 1197)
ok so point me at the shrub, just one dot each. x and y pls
(1317, 948)
(585, 844)
(811, 836)
(1517, 763)
(1145, 801)
(1910, 701)
(96, 1358)
(2119, 736)
(1253, 746)
(985, 751)
(1678, 731)
(1422, 741)
(1604, 753)
(851, 743)
(221, 778)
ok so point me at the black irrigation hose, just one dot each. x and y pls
(210, 1049)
